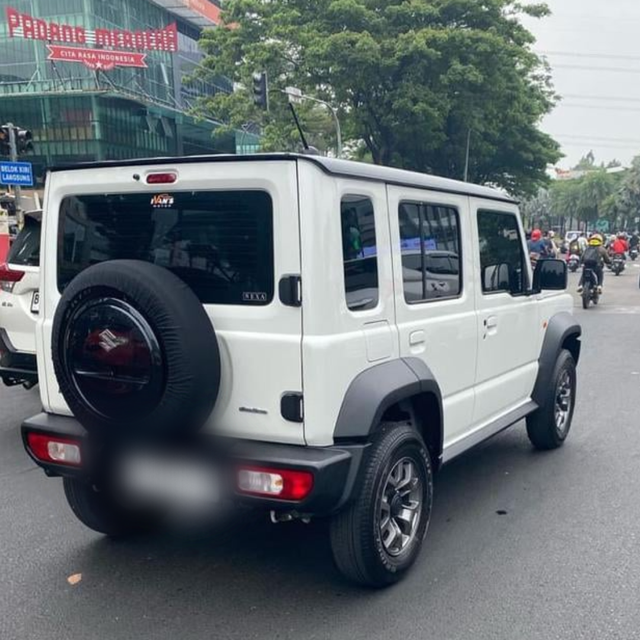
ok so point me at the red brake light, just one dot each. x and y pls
(282, 484)
(53, 449)
(161, 178)
(10, 275)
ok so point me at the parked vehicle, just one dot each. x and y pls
(20, 305)
(618, 263)
(590, 292)
(573, 263)
(250, 330)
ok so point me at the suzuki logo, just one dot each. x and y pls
(109, 341)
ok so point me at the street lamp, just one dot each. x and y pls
(296, 96)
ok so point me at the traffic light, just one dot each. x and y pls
(24, 141)
(261, 90)
(5, 141)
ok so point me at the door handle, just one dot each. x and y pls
(416, 338)
(491, 322)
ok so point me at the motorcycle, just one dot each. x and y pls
(573, 263)
(633, 253)
(617, 264)
(589, 287)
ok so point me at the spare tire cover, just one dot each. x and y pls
(134, 350)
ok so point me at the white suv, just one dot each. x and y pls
(308, 336)
(19, 305)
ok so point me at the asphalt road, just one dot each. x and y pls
(562, 562)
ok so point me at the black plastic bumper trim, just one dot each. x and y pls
(334, 469)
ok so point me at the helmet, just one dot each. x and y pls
(621, 235)
(596, 240)
(536, 234)
(552, 234)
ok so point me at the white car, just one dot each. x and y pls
(19, 305)
(263, 330)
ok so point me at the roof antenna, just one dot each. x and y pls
(311, 151)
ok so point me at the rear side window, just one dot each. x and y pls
(25, 249)
(359, 252)
(219, 242)
(502, 258)
(430, 250)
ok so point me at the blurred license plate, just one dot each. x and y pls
(35, 302)
(171, 481)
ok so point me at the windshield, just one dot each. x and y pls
(219, 242)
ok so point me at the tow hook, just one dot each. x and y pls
(288, 516)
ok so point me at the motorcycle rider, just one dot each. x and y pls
(538, 248)
(619, 245)
(550, 241)
(594, 257)
(583, 243)
(634, 241)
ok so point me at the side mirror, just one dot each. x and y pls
(550, 275)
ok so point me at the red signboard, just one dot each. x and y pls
(97, 58)
(23, 25)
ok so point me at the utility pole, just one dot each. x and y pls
(466, 161)
(13, 146)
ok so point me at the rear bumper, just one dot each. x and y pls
(334, 469)
(16, 367)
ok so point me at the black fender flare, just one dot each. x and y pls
(563, 331)
(376, 389)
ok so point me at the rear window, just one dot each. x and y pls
(219, 242)
(25, 249)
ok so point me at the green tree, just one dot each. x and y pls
(413, 80)
(537, 211)
(587, 198)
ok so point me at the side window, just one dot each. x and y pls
(359, 252)
(502, 259)
(430, 250)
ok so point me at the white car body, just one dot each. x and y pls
(483, 350)
(19, 303)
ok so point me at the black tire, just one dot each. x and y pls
(586, 297)
(158, 317)
(542, 428)
(98, 511)
(356, 538)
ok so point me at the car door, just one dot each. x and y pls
(508, 316)
(435, 303)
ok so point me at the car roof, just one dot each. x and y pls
(331, 166)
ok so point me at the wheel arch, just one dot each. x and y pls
(563, 332)
(399, 390)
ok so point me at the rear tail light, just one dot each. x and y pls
(161, 178)
(282, 484)
(53, 449)
(9, 277)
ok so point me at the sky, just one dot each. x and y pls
(593, 47)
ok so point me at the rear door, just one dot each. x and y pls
(434, 294)
(230, 231)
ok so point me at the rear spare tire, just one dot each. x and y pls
(134, 350)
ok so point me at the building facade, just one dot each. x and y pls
(106, 79)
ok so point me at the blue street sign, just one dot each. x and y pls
(17, 174)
